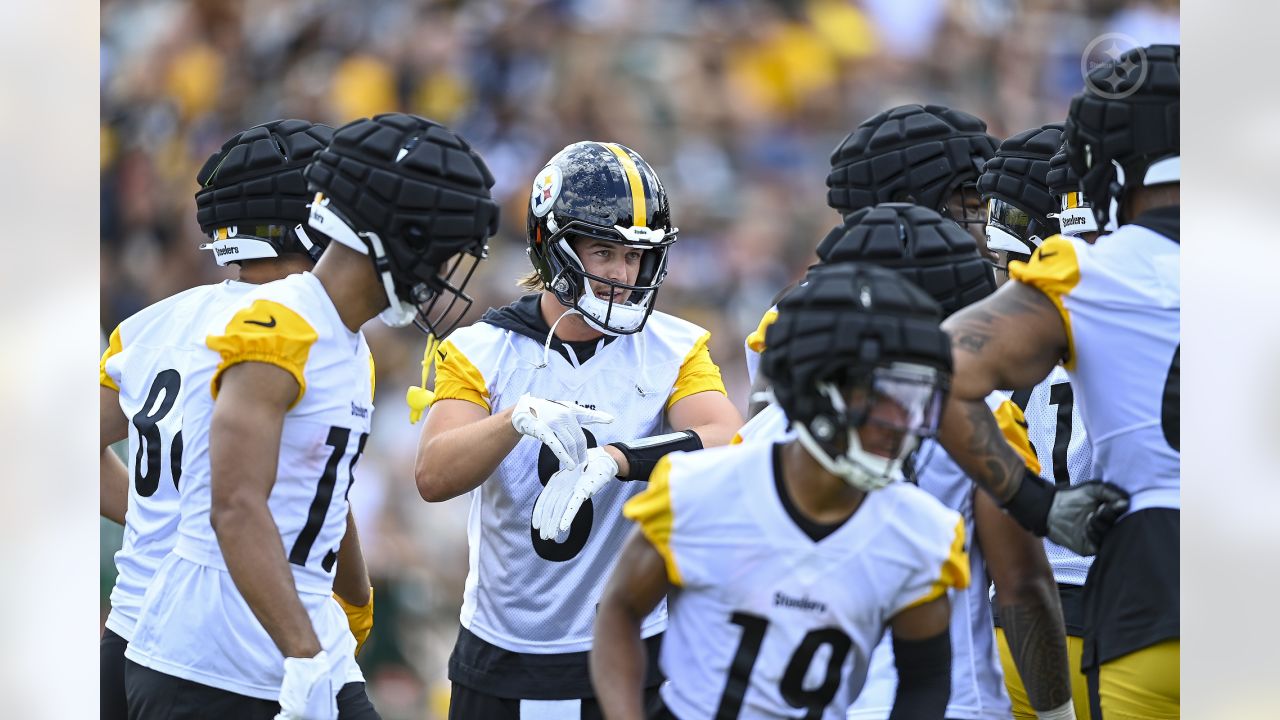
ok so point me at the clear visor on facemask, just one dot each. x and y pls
(904, 398)
(884, 421)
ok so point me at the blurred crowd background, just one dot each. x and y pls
(736, 103)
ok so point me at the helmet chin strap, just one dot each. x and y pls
(398, 312)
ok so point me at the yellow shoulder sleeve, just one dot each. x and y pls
(697, 373)
(265, 332)
(755, 341)
(1054, 270)
(1013, 424)
(457, 378)
(114, 346)
(373, 379)
(954, 572)
(359, 619)
(651, 509)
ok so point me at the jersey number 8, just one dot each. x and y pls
(146, 463)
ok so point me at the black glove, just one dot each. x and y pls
(1075, 517)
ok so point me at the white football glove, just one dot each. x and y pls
(307, 692)
(558, 425)
(558, 503)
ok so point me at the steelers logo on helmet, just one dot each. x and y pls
(603, 192)
(1015, 186)
(415, 198)
(934, 253)
(546, 190)
(1128, 135)
(1075, 213)
(252, 200)
(861, 368)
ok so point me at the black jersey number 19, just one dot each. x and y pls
(580, 530)
(792, 686)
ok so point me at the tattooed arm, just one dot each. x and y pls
(1010, 340)
(1027, 597)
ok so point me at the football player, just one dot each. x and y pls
(238, 620)
(513, 393)
(252, 197)
(930, 155)
(1075, 212)
(939, 257)
(784, 563)
(1020, 216)
(1110, 312)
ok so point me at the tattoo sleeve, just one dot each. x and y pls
(972, 437)
(1005, 341)
(1038, 644)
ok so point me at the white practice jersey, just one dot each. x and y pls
(1057, 436)
(768, 425)
(522, 593)
(194, 623)
(147, 360)
(1121, 306)
(764, 621)
(977, 682)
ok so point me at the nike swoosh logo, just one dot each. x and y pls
(1044, 254)
(441, 353)
(263, 324)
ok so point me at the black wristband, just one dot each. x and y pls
(1030, 504)
(643, 454)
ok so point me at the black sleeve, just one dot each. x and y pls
(924, 677)
(643, 454)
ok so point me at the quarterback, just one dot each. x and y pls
(552, 412)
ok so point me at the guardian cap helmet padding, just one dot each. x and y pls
(932, 252)
(252, 194)
(416, 198)
(1123, 131)
(849, 341)
(910, 153)
(604, 191)
(1015, 186)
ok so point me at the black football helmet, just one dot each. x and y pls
(415, 198)
(1122, 132)
(1015, 186)
(252, 194)
(917, 243)
(604, 191)
(855, 344)
(922, 154)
